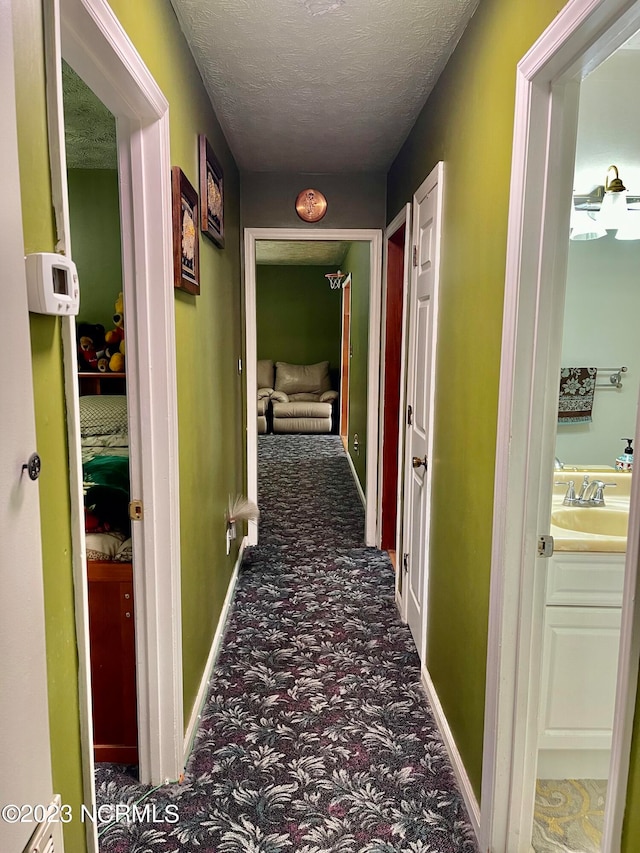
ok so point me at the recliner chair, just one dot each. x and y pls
(303, 398)
(265, 390)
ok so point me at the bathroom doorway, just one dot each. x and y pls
(548, 116)
(599, 385)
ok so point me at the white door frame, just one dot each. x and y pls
(402, 218)
(88, 35)
(582, 35)
(374, 238)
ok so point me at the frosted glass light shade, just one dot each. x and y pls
(631, 228)
(613, 212)
(584, 226)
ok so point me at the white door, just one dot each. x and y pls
(420, 394)
(24, 733)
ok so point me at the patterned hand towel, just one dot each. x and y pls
(577, 385)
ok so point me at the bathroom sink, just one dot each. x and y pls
(601, 520)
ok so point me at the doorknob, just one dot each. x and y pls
(32, 466)
(417, 462)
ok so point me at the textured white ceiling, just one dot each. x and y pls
(89, 127)
(320, 85)
(301, 252)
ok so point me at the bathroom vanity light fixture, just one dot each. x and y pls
(606, 208)
(336, 279)
(584, 226)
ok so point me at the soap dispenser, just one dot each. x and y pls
(624, 462)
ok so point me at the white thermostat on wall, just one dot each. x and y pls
(52, 284)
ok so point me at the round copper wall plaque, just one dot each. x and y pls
(311, 205)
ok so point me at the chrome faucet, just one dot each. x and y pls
(581, 499)
(593, 494)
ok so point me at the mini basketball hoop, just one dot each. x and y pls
(335, 279)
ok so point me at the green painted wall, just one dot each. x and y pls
(94, 212)
(209, 342)
(631, 826)
(50, 423)
(354, 199)
(468, 123)
(298, 315)
(358, 263)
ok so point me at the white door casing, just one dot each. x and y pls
(91, 39)
(583, 34)
(423, 319)
(24, 735)
(374, 238)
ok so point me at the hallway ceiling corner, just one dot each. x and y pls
(320, 85)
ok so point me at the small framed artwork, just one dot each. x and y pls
(211, 194)
(186, 244)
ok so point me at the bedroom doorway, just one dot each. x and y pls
(81, 31)
(95, 233)
(363, 427)
(397, 242)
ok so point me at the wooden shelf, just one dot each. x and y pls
(92, 383)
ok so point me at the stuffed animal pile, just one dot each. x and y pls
(90, 345)
(99, 350)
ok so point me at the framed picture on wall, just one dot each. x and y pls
(186, 241)
(211, 194)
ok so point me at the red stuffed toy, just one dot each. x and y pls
(90, 345)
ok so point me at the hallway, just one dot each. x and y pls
(316, 736)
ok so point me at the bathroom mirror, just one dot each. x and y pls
(603, 295)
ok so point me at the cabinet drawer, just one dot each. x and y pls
(592, 580)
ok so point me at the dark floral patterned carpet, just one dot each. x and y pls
(316, 736)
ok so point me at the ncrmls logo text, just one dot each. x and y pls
(131, 813)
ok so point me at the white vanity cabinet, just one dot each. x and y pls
(581, 634)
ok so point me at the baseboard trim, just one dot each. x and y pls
(213, 655)
(468, 795)
(361, 494)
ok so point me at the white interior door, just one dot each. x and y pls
(420, 398)
(24, 734)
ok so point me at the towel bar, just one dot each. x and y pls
(615, 377)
